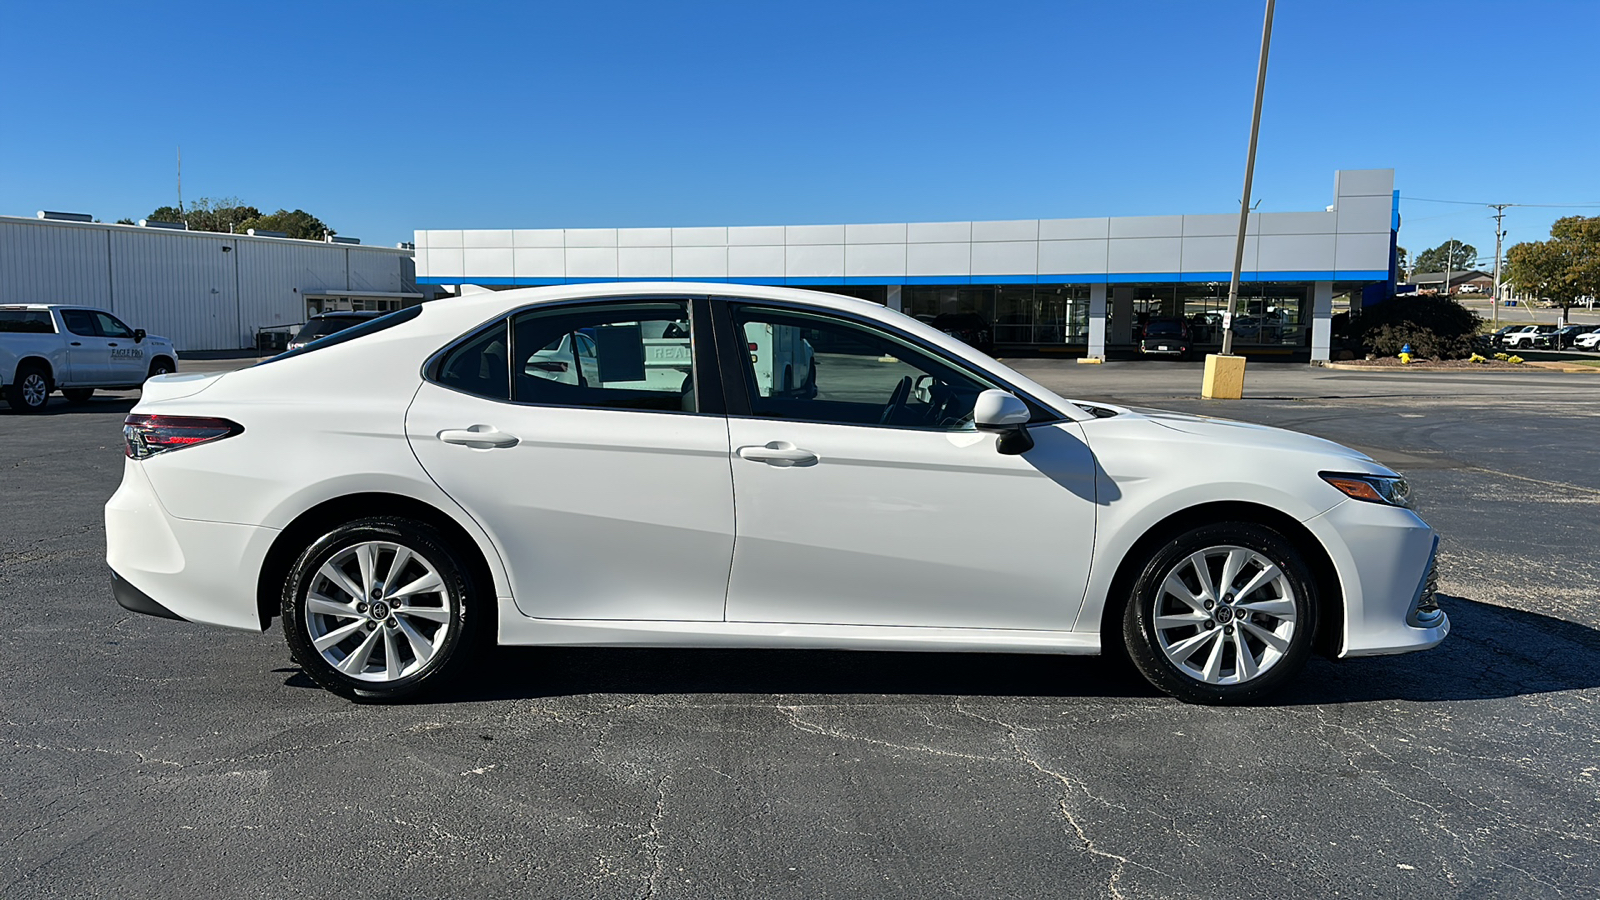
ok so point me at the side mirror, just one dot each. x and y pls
(1003, 414)
(138, 335)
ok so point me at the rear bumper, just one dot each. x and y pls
(135, 600)
(181, 568)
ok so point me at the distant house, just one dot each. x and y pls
(1468, 282)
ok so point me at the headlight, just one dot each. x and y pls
(1391, 491)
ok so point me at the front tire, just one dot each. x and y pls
(77, 395)
(1222, 614)
(382, 609)
(161, 366)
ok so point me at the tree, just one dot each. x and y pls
(297, 224)
(1402, 263)
(1459, 256)
(1564, 268)
(205, 214)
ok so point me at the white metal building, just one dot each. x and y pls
(206, 291)
(1083, 285)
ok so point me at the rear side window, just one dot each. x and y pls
(382, 323)
(479, 365)
(26, 321)
(79, 321)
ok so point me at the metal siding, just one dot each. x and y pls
(274, 276)
(52, 263)
(375, 271)
(177, 284)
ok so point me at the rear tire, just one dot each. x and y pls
(30, 392)
(1222, 614)
(77, 395)
(383, 609)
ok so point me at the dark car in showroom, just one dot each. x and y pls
(969, 328)
(1165, 336)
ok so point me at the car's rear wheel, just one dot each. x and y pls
(1222, 614)
(381, 609)
(30, 391)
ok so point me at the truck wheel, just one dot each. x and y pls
(162, 366)
(77, 395)
(31, 390)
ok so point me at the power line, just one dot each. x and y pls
(1475, 203)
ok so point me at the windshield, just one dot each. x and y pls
(326, 325)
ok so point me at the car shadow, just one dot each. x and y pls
(1492, 652)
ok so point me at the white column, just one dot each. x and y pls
(894, 298)
(1097, 321)
(1321, 320)
(1122, 315)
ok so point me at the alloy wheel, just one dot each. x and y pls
(1224, 615)
(35, 390)
(378, 611)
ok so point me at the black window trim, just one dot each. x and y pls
(735, 387)
(709, 396)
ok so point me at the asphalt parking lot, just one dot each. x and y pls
(145, 757)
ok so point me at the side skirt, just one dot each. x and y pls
(517, 629)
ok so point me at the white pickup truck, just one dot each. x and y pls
(46, 346)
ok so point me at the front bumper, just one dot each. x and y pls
(1385, 559)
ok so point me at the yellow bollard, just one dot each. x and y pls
(1224, 378)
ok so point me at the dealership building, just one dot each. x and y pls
(1066, 285)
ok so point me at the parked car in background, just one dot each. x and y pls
(1166, 337)
(1567, 336)
(323, 324)
(969, 328)
(1590, 341)
(1525, 337)
(403, 495)
(1496, 339)
(78, 350)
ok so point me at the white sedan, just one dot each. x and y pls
(408, 490)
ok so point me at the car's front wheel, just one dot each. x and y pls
(1223, 614)
(381, 609)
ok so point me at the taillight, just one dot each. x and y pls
(145, 436)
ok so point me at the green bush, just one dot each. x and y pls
(1435, 327)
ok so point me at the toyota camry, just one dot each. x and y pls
(715, 465)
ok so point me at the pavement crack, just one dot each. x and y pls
(652, 840)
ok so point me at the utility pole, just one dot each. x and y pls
(1249, 176)
(1499, 236)
(180, 185)
(1450, 248)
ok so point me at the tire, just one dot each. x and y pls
(160, 366)
(77, 395)
(391, 651)
(1167, 624)
(30, 391)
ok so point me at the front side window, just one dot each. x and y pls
(634, 355)
(111, 327)
(807, 367)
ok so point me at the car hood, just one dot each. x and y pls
(1250, 436)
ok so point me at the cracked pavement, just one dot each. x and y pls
(147, 757)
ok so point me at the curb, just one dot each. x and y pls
(1555, 368)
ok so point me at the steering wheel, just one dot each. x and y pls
(897, 401)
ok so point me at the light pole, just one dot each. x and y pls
(1224, 375)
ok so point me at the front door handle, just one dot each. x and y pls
(478, 437)
(778, 453)
(77, 343)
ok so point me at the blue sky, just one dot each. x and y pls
(382, 118)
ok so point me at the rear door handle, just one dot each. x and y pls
(77, 343)
(478, 437)
(778, 453)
